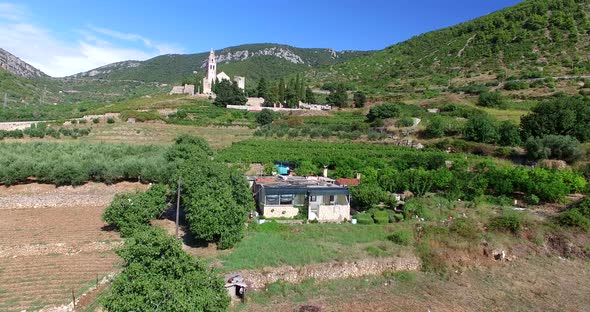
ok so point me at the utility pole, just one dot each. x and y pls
(177, 207)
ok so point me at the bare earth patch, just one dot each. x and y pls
(52, 242)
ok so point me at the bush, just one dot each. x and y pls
(95, 120)
(554, 147)
(435, 127)
(129, 212)
(509, 221)
(402, 237)
(405, 122)
(265, 117)
(364, 218)
(110, 120)
(492, 99)
(575, 218)
(381, 217)
(481, 128)
(385, 111)
(465, 228)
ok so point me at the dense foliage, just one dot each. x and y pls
(159, 276)
(228, 93)
(130, 212)
(216, 198)
(560, 116)
(553, 33)
(554, 147)
(388, 169)
(77, 163)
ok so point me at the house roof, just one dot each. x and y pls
(345, 181)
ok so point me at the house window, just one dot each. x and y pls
(287, 199)
(272, 199)
(331, 199)
(313, 198)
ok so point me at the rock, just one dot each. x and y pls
(17, 66)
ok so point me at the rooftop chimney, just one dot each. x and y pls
(325, 171)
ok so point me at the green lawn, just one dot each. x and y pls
(274, 244)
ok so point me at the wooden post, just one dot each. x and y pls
(74, 299)
(177, 207)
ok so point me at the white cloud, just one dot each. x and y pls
(95, 47)
(11, 11)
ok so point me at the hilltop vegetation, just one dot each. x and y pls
(533, 39)
(252, 61)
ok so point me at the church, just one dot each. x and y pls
(212, 75)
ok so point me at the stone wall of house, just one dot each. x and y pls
(334, 213)
(280, 211)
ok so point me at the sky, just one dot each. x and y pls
(65, 37)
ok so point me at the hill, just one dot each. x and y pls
(251, 61)
(533, 39)
(17, 66)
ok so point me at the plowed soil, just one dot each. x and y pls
(53, 242)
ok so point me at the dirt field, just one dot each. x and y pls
(52, 242)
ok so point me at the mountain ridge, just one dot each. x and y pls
(170, 68)
(15, 65)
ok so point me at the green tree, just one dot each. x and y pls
(481, 128)
(492, 99)
(338, 97)
(435, 127)
(228, 93)
(159, 276)
(385, 111)
(309, 96)
(265, 117)
(213, 202)
(281, 91)
(129, 212)
(565, 115)
(262, 89)
(367, 195)
(360, 98)
(554, 147)
(509, 134)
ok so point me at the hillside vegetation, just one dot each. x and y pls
(534, 39)
(251, 61)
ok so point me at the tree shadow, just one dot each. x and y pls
(185, 234)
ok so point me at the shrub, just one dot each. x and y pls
(509, 221)
(492, 99)
(554, 147)
(532, 199)
(381, 217)
(364, 218)
(95, 120)
(402, 237)
(265, 117)
(574, 217)
(405, 122)
(110, 120)
(385, 111)
(481, 128)
(465, 228)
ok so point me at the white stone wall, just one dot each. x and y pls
(333, 213)
(279, 211)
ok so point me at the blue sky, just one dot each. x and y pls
(64, 37)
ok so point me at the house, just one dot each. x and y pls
(320, 198)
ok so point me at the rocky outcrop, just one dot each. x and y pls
(17, 66)
(242, 55)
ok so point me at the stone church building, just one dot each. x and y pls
(212, 75)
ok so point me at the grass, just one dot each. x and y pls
(273, 244)
(311, 289)
(505, 114)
